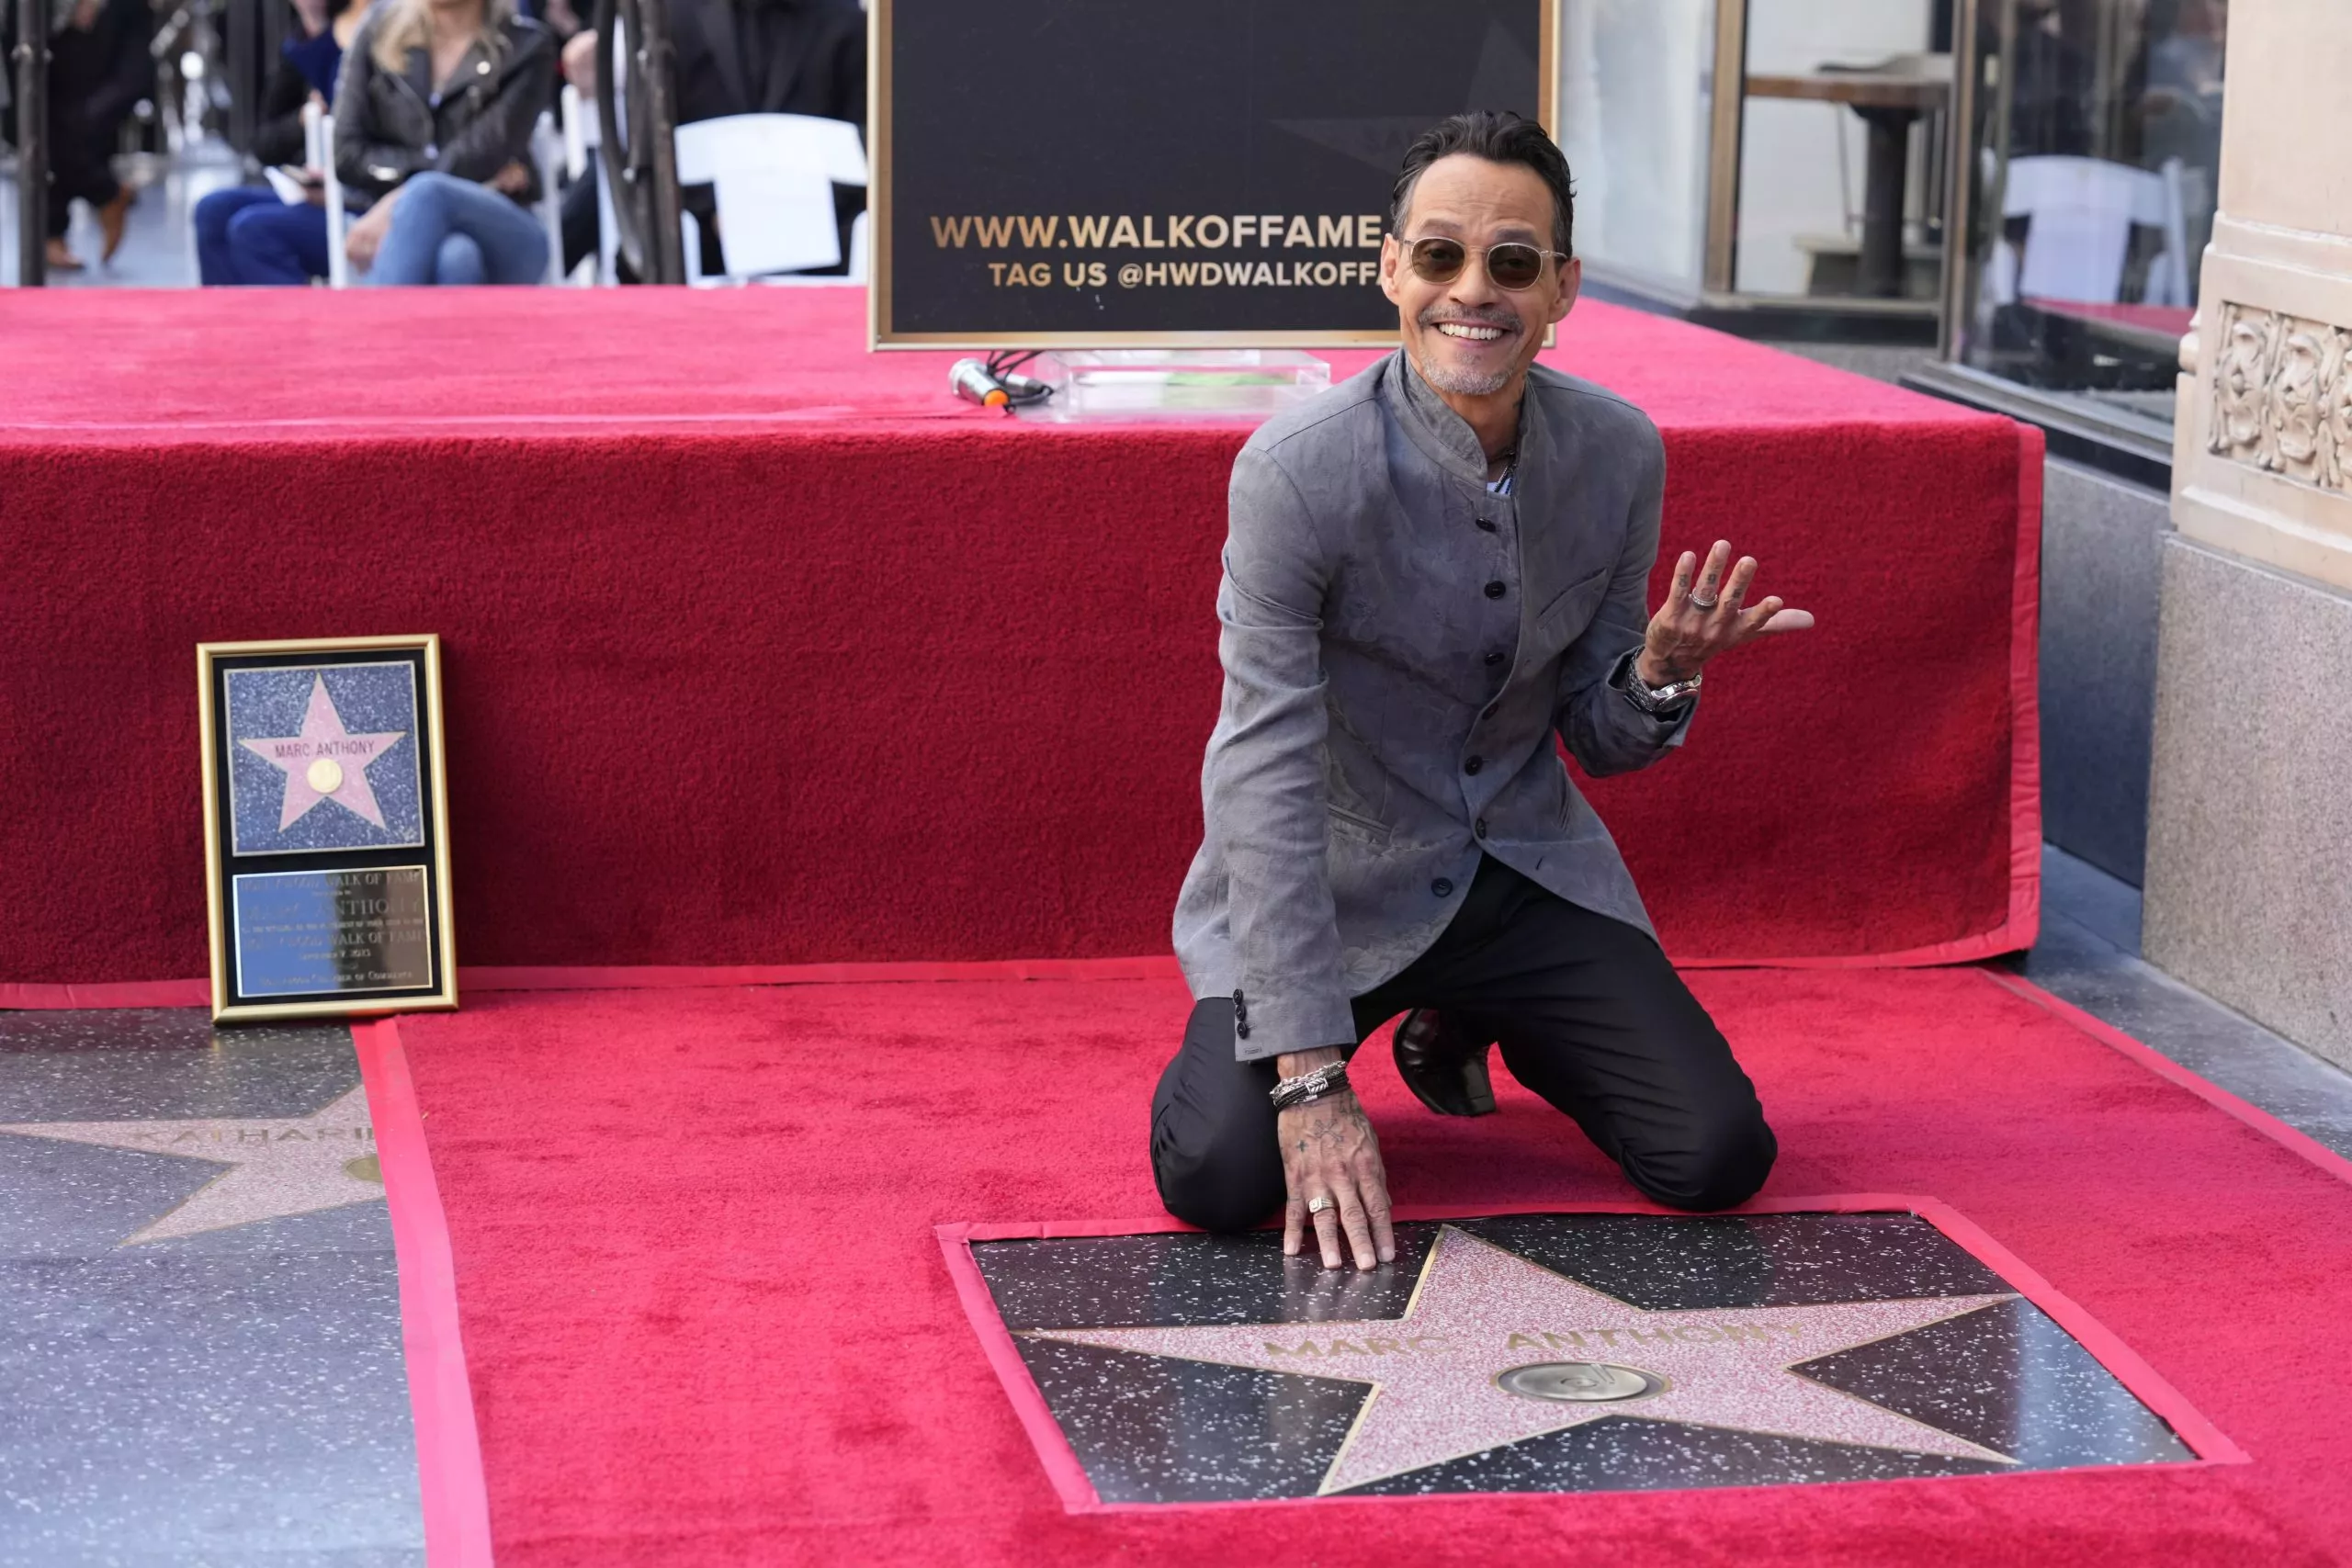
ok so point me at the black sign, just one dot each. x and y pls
(1131, 171)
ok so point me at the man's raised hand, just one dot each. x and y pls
(1706, 613)
(1329, 1153)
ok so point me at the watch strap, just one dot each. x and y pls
(1656, 701)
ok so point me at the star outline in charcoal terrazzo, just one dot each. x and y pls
(294, 1164)
(1395, 1431)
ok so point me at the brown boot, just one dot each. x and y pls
(111, 218)
(62, 259)
(1445, 1067)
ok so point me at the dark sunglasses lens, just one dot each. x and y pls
(1514, 266)
(1439, 260)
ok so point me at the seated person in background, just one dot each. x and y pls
(582, 219)
(742, 57)
(99, 70)
(434, 117)
(246, 234)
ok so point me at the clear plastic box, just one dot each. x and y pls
(1139, 383)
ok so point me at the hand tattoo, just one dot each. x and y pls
(1334, 1122)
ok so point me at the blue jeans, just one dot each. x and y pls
(449, 231)
(247, 235)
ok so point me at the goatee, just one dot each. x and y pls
(1462, 384)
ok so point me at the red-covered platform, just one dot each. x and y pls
(762, 651)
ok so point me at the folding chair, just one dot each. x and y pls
(772, 175)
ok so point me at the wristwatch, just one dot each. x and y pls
(1659, 702)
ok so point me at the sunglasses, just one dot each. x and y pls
(1511, 265)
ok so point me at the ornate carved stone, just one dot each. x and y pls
(2293, 430)
(2282, 396)
(2336, 413)
(2241, 371)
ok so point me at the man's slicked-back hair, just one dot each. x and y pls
(1499, 136)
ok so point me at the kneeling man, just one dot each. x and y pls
(1432, 571)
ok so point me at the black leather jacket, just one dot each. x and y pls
(387, 126)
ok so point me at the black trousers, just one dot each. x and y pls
(1589, 1014)
(81, 142)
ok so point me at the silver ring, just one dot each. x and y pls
(1316, 1206)
(1699, 604)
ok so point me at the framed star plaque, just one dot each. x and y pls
(326, 833)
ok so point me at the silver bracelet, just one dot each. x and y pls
(1309, 1087)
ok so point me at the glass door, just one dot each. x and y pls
(1637, 112)
(2093, 161)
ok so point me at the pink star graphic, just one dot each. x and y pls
(1463, 1369)
(324, 762)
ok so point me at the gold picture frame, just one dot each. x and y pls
(340, 907)
(881, 336)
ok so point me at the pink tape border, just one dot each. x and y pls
(448, 1448)
(2213, 1094)
(1078, 1494)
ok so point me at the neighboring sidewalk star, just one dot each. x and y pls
(1439, 1389)
(324, 762)
(278, 1165)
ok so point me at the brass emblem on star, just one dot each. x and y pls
(1580, 1383)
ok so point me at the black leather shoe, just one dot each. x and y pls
(1445, 1068)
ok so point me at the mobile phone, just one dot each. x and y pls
(293, 186)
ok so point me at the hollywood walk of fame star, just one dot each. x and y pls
(1438, 1374)
(324, 762)
(278, 1165)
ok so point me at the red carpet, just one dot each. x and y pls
(762, 651)
(707, 1320)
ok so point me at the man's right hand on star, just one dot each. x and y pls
(1331, 1168)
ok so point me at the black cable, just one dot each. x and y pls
(1004, 362)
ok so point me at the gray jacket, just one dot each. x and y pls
(1400, 646)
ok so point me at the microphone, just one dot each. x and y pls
(970, 380)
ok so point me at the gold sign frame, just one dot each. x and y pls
(879, 335)
(440, 993)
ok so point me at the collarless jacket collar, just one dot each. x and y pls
(1444, 436)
